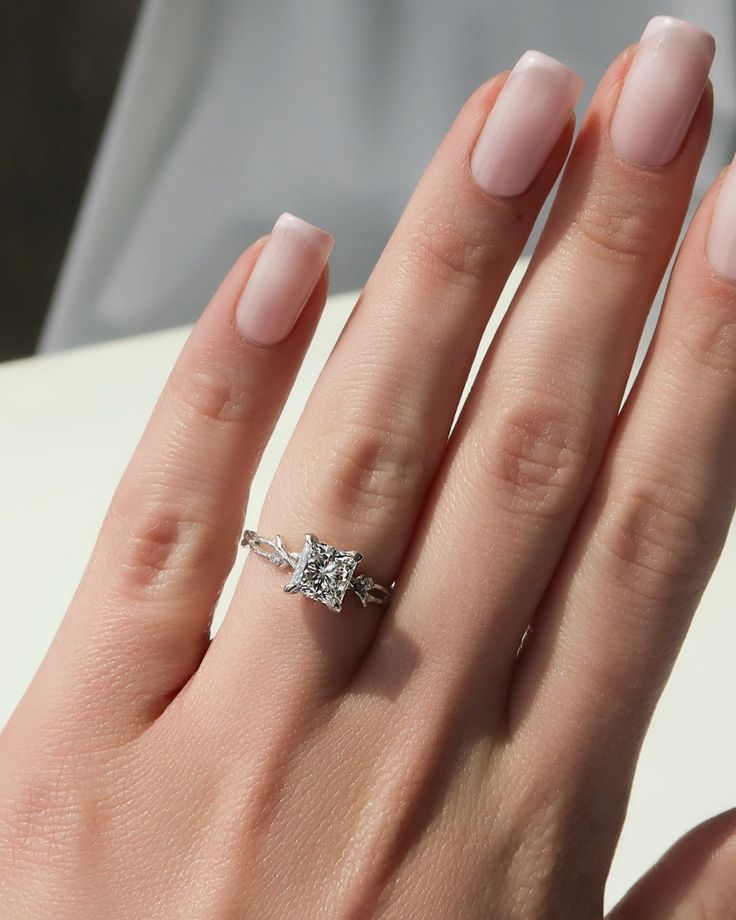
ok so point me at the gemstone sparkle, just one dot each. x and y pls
(323, 572)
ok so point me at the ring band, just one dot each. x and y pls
(321, 572)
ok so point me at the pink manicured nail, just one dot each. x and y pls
(282, 279)
(662, 91)
(523, 126)
(721, 243)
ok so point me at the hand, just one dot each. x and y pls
(414, 763)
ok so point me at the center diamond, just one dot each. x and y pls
(323, 572)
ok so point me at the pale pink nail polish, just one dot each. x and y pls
(721, 243)
(282, 279)
(661, 91)
(525, 123)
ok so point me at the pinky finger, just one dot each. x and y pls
(139, 623)
(695, 878)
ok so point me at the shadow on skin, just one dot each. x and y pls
(402, 657)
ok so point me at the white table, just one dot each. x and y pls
(68, 423)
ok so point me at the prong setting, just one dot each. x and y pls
(321, 572)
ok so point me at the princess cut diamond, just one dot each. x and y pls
(323, 573)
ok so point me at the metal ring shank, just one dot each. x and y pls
(275, 552)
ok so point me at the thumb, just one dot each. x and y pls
(696, 878)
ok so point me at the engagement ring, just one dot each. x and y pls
(321, 571)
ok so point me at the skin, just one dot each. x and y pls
(412, 764)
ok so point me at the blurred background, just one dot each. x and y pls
(145, 143)
(59, 64)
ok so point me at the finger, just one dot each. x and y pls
(138, 625)
(695, 878)
(376, 424)
(605, 638)
(531, 436)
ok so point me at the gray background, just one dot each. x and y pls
(232, 111)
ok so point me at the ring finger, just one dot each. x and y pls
(358, 466)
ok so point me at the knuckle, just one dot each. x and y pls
(617, 227)
(442, 251)
(209, 390)
(159, 541)
(39, 816)
(536, 455)
(708, 337)
(661, 541)
(374, 467)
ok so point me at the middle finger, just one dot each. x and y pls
(532, 433)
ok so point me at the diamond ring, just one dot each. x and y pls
(321, 571)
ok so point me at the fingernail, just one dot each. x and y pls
(721, 243)
(662, 91)
(282, 279)
(523, 126)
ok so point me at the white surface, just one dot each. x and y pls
(68, 423)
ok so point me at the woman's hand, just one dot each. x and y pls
(415, 763)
